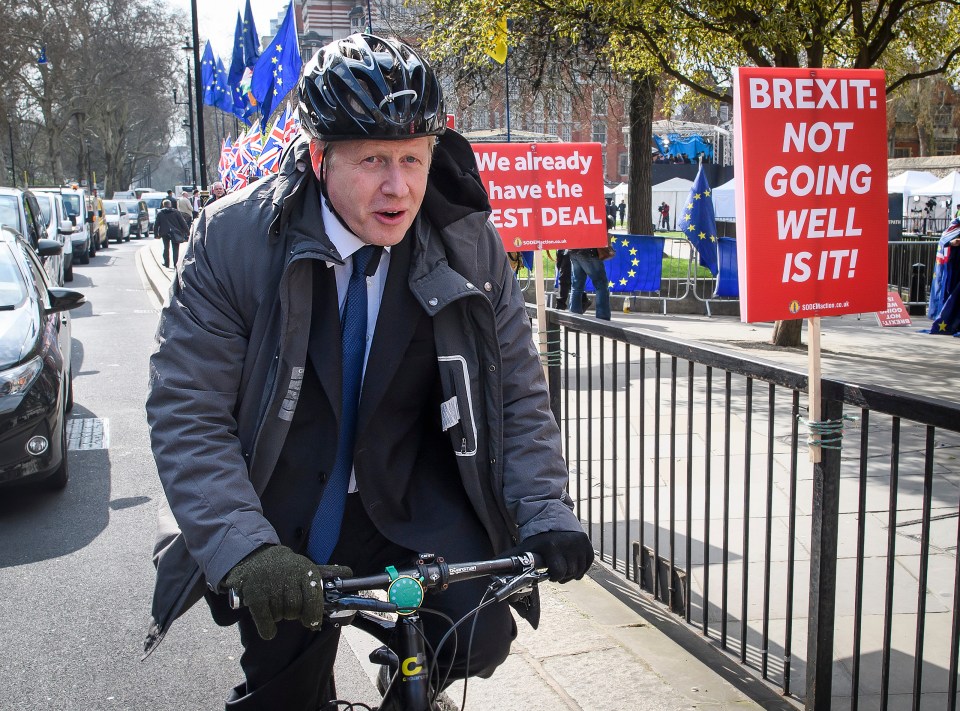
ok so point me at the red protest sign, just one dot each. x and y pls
(545, 195)
(895, 314)
(811, 167)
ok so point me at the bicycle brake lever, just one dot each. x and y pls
(530, 577)
(356, 602)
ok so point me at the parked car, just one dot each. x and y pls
(20, 211)
(98, 223)
(139, 217)
(118, 223)
(36, 378)
(74, 201)
(153, 200)
(59, 228)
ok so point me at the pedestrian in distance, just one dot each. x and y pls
(197, 202)
(622, 210)
(217, 191)
(563, 279)
(185, 206)
(172, 227)
(317, 409)
(587, 263)
(664, 211)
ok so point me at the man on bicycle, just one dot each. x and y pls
(345, 377)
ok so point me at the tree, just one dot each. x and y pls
(99, 99)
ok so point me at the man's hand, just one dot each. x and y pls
(567, 554)
(275, 583)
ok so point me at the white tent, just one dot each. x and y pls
(948, 187)
(907, 183)
(724, 202)
(674, 192)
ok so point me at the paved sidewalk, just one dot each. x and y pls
(601, 646)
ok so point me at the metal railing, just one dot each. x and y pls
(836, 582)
(911, 263)
(910, 267)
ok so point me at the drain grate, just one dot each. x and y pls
(88, 433)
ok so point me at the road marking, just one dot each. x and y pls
(88, 433)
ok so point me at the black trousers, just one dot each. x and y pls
(563, 278)
(168, 244)
(292, 671)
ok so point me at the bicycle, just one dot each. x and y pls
(410, 677)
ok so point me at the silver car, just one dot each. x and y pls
(59, 228)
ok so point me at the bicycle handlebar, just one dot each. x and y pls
(431, 572)
(438, 573)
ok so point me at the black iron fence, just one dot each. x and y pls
(836, 582)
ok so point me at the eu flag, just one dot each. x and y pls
(698, 224)
(278, 68)
(241, 105)
(208, 76)
(944, 307)
(225, 101)
(637, 263)
(251, 42)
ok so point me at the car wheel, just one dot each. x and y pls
(58, 480)
(68, 273)
(85, 256)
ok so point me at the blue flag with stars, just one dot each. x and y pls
(278, 68)
(225, 101)
(240, 104)
(208, 76)
(698, 224)
(251, 42)
(944, 306)
(637, 263)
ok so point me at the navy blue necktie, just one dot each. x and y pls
(353, 334)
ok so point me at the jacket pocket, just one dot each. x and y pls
(456, 412)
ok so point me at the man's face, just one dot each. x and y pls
(377, 186)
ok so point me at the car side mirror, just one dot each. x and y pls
(90, 216)
(49, 248)
(73, 220)
(64, 300)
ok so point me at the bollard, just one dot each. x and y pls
(918, 289)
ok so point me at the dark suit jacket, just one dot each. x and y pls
(405, 469)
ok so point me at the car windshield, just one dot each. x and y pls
(153, 202)
(12, 289)
(9, 214)
(71, 204)
(111, 208)
(131, 206)
(45, 202)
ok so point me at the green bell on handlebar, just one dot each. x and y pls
(405, 592)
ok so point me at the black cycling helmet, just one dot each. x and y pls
(364, 86)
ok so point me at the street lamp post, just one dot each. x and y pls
(199, 97)
(189, 104)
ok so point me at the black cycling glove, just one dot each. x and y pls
(567, 554)
(275, 583)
